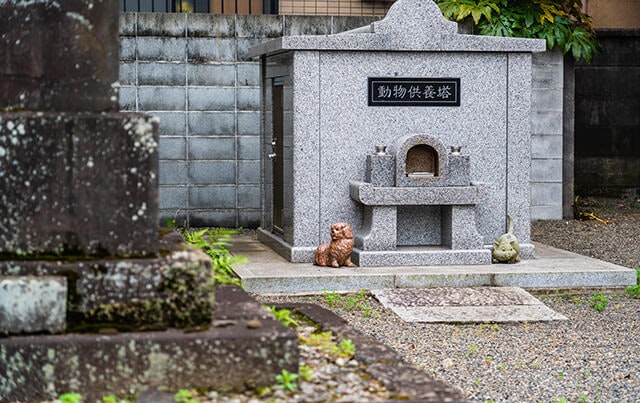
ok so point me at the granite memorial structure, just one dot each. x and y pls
(414, 134)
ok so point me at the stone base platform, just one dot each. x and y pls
(267, 272)
(245, 347)
(420, 256)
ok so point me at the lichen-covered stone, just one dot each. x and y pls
(173, 290)
(31, 304)
(59, 55)
(229, 357)
(78, 183)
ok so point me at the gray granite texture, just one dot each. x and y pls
(33, 304)
(466, 305)
(78, 183)
(331, 139)
(381, 170)
(425, 256)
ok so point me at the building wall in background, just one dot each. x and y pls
(607, 118)
(614, 13)
(191, 71)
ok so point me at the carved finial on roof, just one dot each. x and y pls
(413, 18)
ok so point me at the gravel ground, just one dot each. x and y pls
(616, 242)
(592, 357)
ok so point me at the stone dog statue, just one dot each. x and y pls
(506, 249)
(338, 252)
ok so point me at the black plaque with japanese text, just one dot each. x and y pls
(404, 91)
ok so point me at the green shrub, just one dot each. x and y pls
(560, 22)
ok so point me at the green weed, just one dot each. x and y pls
(215, 242)
(324, 340)
(185, 396)
(634, 290)
(346, 348)
(287, 380)
(70, 398)
(599, 301)
(283, 316)
(306, 373)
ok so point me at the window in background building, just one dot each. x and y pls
(165, 6)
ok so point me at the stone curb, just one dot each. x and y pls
(405, 381)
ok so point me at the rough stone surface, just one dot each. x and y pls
(59, 56)
(78, 183)
(33, 304)
(129, 293)
(229, 356)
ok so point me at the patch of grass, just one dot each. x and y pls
(215, 242)
(70, 398)
(325, 341)
(306, 373)
(284, 316)
(287, 380)
(349, 303)
(185, 396)
(634, 290)
(598, 301)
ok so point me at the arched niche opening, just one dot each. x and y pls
(422, 161)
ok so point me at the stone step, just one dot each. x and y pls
(30, 304)
(245, 347)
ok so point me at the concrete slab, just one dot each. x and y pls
(466, 305)
(267, 272)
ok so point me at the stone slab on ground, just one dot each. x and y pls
(466, 305)
(245, 347)
(31, 304)
(267, 273)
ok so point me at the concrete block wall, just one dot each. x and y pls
(191, 71)
(547, 135)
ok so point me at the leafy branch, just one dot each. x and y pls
(560, 22)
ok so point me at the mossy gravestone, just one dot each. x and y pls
(79, 240)
(79, 243)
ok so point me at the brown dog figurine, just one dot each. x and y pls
(338, 252)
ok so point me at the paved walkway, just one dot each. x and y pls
(268, 273)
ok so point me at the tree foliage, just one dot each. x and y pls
(560, 22)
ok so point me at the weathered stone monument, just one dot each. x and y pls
(80, 247)
(416, 135)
